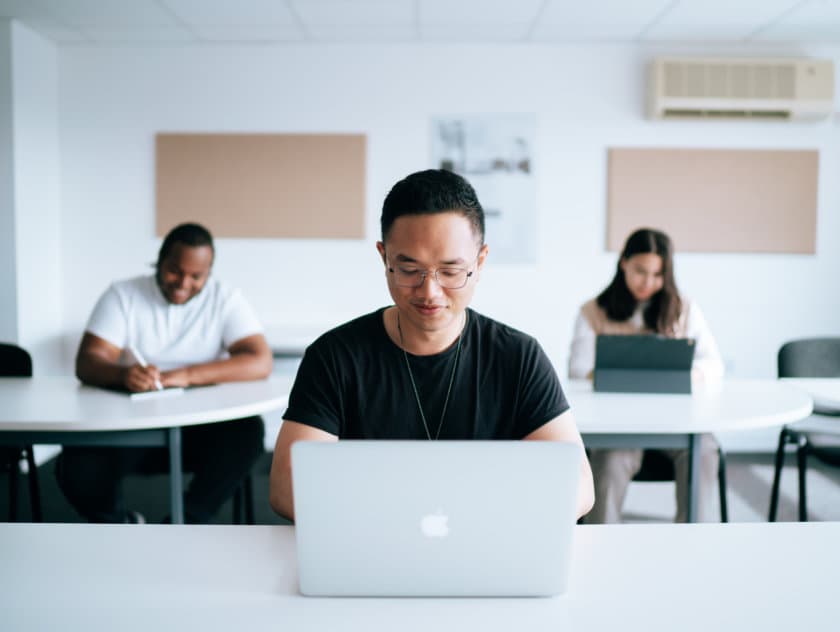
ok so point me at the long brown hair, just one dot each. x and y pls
(664, 308)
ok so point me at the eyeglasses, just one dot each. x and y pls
(447, 278)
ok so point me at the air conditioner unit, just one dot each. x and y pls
(800, 89)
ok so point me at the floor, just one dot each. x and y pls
(749, 480)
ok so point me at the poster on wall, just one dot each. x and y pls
(495, 153)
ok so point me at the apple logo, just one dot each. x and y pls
(435, 525)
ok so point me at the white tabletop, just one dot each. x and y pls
(624, 577)
(729, 405)
(824, 391)
(63, 404)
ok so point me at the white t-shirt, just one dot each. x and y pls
(707, 363)
(135, 313)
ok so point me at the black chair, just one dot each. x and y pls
(657, 467)
(815, 358)
(16, 362)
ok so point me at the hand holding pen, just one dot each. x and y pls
(141, 376)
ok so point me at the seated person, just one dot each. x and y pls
(192, 329)
(643, 299)
(428, 367)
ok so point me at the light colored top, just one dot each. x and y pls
(726, 405)
(592, 321)
(722, 577)
(43, 403)
(135, 313)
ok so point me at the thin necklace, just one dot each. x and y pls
(414, 386)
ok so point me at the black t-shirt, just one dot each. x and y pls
(353, 382)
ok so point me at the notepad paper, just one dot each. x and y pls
(166, 392)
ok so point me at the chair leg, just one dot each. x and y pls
(237, 505)
(13, 489)
(724, 509)
(248, 490)
(34, 488)
(777, 474)
(802, 463)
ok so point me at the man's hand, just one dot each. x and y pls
(139, 378)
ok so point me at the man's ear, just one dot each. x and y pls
(381, 248)
(482, 255)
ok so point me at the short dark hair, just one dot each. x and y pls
(432, 191)
(193, 235)
(664, 309)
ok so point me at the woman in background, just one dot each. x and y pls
(643, 299)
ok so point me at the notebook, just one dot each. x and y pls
(440, 518)
(643, 364)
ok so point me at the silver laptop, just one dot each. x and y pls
(443, 518)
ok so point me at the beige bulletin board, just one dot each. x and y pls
(711, 200)
(263, 185)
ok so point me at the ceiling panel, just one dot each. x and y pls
(249, 34)
(358, 13)
(230, 13)
(77, 21)
(362, 34)
(473, 11)
(145, 35)
(460, 33)
(816, 21)
(25, 9)
(717, 19)
(58, 32)
(107, 13)
(605, 20)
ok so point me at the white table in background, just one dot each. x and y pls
(61, 410)
(824, 391)
(701, 577)
(653, 420)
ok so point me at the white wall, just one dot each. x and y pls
(8, 250)
(31, 197)
(37, 199)
(587, 98)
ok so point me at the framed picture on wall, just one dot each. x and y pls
(495, 153)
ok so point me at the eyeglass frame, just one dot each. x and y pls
(434, 272)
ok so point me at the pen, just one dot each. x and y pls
(142, 363)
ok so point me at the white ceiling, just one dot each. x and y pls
(150, 22)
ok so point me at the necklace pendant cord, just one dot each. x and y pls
(414, 385)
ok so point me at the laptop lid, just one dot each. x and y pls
(443, 518)
(643, 364)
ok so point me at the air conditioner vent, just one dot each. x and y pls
(742, 88)
(722, 81)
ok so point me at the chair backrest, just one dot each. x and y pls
(810, 357)
(14, 361)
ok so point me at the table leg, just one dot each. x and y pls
(176, 476)
(693, 476)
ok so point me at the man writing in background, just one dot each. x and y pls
(192, 330)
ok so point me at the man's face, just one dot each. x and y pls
(184, 271)
(438, 242)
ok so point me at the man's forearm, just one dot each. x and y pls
(280, 494)
(91, 369)
(238, 368)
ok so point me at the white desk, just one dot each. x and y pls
(641, 420)
(624, 577)
(824, 391)
(61, 410)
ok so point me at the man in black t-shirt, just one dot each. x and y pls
(427, 367)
